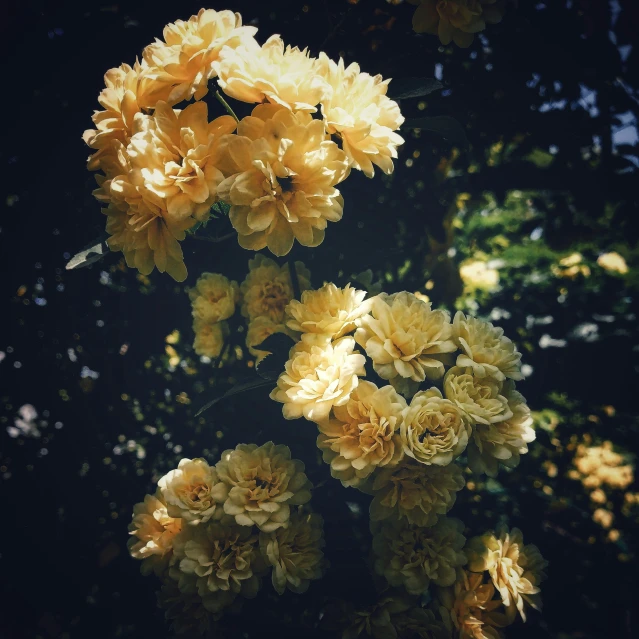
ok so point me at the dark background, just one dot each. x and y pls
(67, 495)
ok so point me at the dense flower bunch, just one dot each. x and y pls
(444, 395)
(162, 168)
(212, 532)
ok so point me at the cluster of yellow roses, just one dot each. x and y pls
(400, 443)
(162, 168)
(212, 532)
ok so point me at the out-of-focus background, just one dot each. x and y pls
(533, 227)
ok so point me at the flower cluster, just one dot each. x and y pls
(212, 532)
(599, 467)
(163, 168)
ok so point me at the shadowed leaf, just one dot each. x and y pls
(442, 125)
(413, 87)
(93, 252)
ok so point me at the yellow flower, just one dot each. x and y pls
(295, 552)
(165, 180)
(377, 621)
(220, 556)
(193, 491)
(284, 170)
(480, 399)
(601, 465)
(477, 276)
(454, 20)
(284, 76)
(434, 430)
(363, 434)
(209, 338)
(485, 349)
(470, 608)
(570, 267)
(213, 298)
(184, 62)
(515, 569)
(153, 533)
(406, 340)
(327, 313)
(613, 262)
(258, 330)
(359, 111)
(412, 556)
(264, 483)
(267, 288)
(316, 378)
(502, 442)
(419, 493)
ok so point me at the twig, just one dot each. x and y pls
(226, 105)
(214, 240)
(294, 279)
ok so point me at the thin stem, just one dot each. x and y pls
(214, 240)
(294, 279)
(226, 105)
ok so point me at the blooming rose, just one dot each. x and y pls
(485, 349)
(184, 63)
(264, 483)
(286, 77)
(267, 288)
(434, 430)
(363, 434)
(601, 466)
(283, 173)
(316, 378)
(469, 607)
(405, 339)
(358, 110)
(412, 556)
(477, 276)
(455, 20)
(480, 399)
(613, 262)
(153, 533)
(295, 552)
(515, 569)
(192, 491)
(502, 442)
(419, 493)
(220, 556)
(209, 338)
(327, 313)
(214, 297)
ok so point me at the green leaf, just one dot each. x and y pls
(405, 88)
(278, 346)
(221, 208)
(92, 252)
(442, 125)
(235, 390)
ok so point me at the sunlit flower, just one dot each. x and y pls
(295, 552)
(601, 465)
(470, 607)
(455, 20)
(264, 483)
(184, 61)
(613, 262)
(165, 181)
(359, 111)
(485, 349)
(209, 338)
(193, 491)
(419, 493)
(258, 330)
(502, 442)
(267, 288)
(406, 340)
(476, 275)
(516, 570)
(363, 433)
(571, 266)
(329, 312)
(434, 430)
(412, 556)
(480, 399)
(284, 171)
(220, 556)
(153, 534)
(316, 378)
(213, 297)
(284, 76)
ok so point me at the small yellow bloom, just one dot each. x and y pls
(613, 262)
(214, 297)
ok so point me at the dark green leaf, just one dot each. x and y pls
(235, 390)
(221, 208)
(413, 87)
(277, 343)
(278, 346)
(91, 253)
(442, 125)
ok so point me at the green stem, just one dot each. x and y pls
(226, 105)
